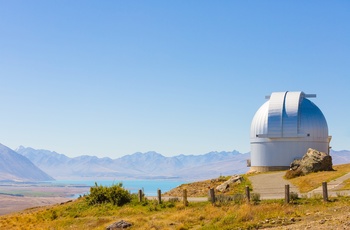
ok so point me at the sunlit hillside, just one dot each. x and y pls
(224, 214)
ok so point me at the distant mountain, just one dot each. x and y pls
(138, 165)
(15, 167)
(149, 165)
(340, 157)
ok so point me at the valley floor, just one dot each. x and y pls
(17, 197)
(10, 204)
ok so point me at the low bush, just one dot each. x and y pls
(255, 197)
(290, 174)
(114, 194)
(227, 199)
(294, 196)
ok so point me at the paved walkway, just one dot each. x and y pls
(271, 185)
(333, 187)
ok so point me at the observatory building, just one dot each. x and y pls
(284, 128)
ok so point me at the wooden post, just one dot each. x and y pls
(325, 191)
(212, 195)
(159, 196)
(140, 195)
(184, 197)
(247, 193)
(286, 194)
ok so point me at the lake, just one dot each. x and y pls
(149, 187)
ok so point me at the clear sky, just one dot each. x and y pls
(111, 78)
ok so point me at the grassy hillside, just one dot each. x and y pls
(201, 188)
(150, 215)
(302, 213)
(314, 180)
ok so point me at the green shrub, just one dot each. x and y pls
(226, 199)
(238, 198)
(223, 178)
(114, 194)
(255, 197)
(294, 196)
(54, 215)
(170, 204)
(223, 199)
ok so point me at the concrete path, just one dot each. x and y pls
(271, 185)
(333, 187)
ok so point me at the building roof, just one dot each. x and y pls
(289, 115)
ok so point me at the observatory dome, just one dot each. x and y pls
(284, 128)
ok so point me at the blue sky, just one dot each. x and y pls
(111, 78)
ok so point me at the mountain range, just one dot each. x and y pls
(15, 167)
(27, 164)
(149, 165)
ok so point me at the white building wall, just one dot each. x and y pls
(284, 128)
(282, 153)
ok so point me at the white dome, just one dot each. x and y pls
(289, 114)
(284, 128)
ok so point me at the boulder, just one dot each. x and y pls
(312, 161)
(235, 179)
(118, 225)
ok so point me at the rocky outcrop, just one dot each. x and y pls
(119, 225)
(312, 161)
(235, 179)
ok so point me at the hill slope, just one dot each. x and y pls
(16, 167)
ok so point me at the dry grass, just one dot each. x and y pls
(314, 180)
(149, 215)
(176, 216)
(201, 188)
(346, 184)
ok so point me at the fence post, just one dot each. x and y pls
(159, 196)
(286, 194)
(184, 197)
(325, 191)
(247, 193)
(212, 195)
(140, 195)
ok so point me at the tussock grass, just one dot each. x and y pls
(174, 215)
(314, 180)
(149, 215)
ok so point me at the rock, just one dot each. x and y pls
(235, 179)
(119, 225)
(313, 161)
